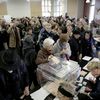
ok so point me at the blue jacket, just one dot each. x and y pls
(44, 34)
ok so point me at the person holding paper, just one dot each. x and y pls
(46, 52)
(62, 47)
(93, 89)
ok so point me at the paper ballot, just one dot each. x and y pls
(90, 76)
(40, 94)
(87, 58)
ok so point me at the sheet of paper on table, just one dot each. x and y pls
(40, 94)
(90, 76)
(83, 73)
(50, 87)
(87, 58)
(85, 68)
(97, 39)
(95, 59)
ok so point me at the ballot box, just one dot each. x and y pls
(64, 70)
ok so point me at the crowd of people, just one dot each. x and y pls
(27, 42)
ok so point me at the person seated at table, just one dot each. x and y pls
(92, 91)
(62, 47)
(45, 52)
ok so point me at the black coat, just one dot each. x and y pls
(13, 84)
(3, 39)
(86, 47)
(75, 46)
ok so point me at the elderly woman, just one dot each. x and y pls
(45, 52)
(93, 89)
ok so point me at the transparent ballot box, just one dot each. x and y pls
(64, 70)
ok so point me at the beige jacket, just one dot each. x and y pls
(14, 37)
(42, 57)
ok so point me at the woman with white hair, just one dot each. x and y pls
(93, 89)
(45, 52)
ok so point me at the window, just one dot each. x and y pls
(92, 10)
(58, 7)
(46, 7)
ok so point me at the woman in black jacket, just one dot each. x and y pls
(75, 45)
(86, 44)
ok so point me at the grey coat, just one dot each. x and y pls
(58, 48)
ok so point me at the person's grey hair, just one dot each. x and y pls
(93, 65)
(48, 42)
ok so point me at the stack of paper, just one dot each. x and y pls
(40, 94)
(90, 77)
(95, 59)
(85, 68)
(87, 58)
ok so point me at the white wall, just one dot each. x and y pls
(18, 8)
(75, 8)
(72, 8)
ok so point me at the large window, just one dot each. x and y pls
(92, 10)
(54, 7)
(58, 7)
(46, 7)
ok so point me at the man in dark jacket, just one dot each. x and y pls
(13, 76)
(45, 33)
(75, 45)
(3, 36)
(86, 44)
